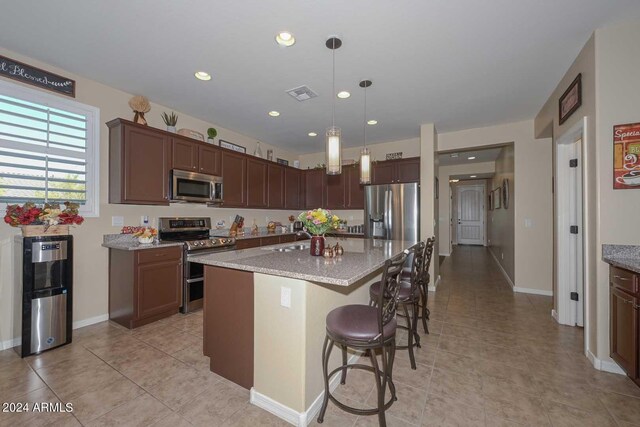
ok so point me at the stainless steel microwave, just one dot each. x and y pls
(195, 187)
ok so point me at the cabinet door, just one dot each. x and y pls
(247, 243)
(293, 188)
(354, 191)
(383, 173)
(158, 287)
(146, 157)
(408, 170)
(314, 188)
(234, 176)
(184, 154)
(624, 331)
(256, 184)
(335, 190)
(209, 160)
(276, 186)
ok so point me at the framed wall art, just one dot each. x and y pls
(282, 161)
(571, 99)
(231, 146)
(626, 156)
(497, 198)
(505, 193)
(25, 73)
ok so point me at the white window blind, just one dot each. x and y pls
(48, 147)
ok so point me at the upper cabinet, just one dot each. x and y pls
(139, 164)
(314, 188)
(293, 189)
(354, 191)
(234, 176)
(256, 183)
(209, 160)
(276, 190)
(396, 171)
(335, 198)
(184, 154)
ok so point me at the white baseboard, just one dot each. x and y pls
(604, 365)
(554, 314)
(449, 254)
(504, 273)
(433, 287)
(300, 419)
(533, 291)
(76, 325)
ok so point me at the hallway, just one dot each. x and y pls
(502, 360)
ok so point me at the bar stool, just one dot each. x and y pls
(425, 278)
(366, 328)
(408, 296)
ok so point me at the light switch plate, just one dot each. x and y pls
(117, 221)
(144, 221)
(285, 297)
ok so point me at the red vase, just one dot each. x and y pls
(317, 245)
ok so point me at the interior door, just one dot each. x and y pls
(471, 214)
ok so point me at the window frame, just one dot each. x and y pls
(91, 209)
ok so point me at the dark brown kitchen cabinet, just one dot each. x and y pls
(144, 285)
(625, 321)
(335, 185)
(276, 191)
(209, 160)
(314, 188)
(139, 163)
(354, 191)
(396, 171)
(234, 175)
(293, 189)
(184, 155)
(257, 185)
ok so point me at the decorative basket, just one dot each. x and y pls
(41, 230)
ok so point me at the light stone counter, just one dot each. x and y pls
(361, 257)
(623, 256)
(127, 242)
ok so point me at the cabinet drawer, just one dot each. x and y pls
(624, 279)
(161, 254)
(271, 240)
(288, 238)
(247, 243)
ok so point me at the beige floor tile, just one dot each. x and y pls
(335, 417)
(417, 378)
(215, 405)
(250, 416)
(34, 418)
(572, 393)
(94, 404)
(520, 408)
(11, 390)
(408, 407)
(194, 357)
(172, 420)
(76, 384)
(372, 421)
(442, 411)
(566, 416)
(623, 408)
(463, 388)
(144, 410)
(178, 390)
(358, 385)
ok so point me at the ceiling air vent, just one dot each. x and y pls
(302, 93)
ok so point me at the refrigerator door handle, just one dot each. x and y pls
(385, 214)
(389, 216)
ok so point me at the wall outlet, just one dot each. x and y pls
(144, 221)
(285, 297)
(117, 221)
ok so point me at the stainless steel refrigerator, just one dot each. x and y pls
(392, 211)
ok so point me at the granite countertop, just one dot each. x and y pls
(127, 242)
(361, 258)
(623, 256)
(248, 235)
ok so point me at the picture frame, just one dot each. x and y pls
(497, 198)
(505, 193)
(231, 146)
(490, 201)
(38, 77)
(570, 100)
(437, 188)
(626, 156)
(393, 156)
(282, 161)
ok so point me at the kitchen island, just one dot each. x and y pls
(265, 310)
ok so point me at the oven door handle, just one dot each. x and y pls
(196, 280)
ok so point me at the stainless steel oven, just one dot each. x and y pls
(195, 187)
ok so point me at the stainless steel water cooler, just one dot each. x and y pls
(44, 315)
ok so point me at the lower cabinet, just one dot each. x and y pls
(624, 321)
(255, 242)
(144, 285)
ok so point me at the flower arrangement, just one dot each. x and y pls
(319, 221)
(49, 214)
(144, 234)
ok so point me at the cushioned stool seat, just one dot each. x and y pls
(357, 323)
(403, 295)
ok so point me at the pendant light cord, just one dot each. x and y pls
(364, 122)
(333, 94)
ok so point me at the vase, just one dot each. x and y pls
(317, 245)
(43, 230)
(171, 129)
(145, 240)
(210, 141)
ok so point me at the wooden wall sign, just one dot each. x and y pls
(571, 99)
(626, 156)
(35, 76)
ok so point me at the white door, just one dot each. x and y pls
(471, 214)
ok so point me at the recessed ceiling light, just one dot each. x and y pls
(274, 113)
(344, 94)
(372, 122)
(471, 157)
(454, 155)
(201, 75)
(285, 38)
(473, 176)
(313, 134)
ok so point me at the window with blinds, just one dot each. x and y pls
(47, 150)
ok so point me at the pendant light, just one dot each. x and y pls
(365, 154)
(333, 149)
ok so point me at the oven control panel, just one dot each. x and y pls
(216, 242)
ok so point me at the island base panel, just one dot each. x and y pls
(228, 323)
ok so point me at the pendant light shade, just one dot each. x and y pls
(333, 149)
(365, 154)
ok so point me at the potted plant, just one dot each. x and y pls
(49, 219)
(211, 133)
(171, 121)
(318, 222)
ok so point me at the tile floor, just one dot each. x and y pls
(493, 358)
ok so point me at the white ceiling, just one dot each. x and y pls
(456, 63)
(487, 155)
